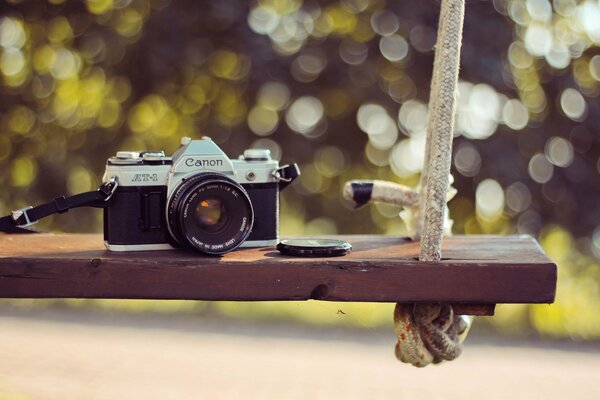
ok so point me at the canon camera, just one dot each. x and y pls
(196, 198)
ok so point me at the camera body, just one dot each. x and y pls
(197, 198)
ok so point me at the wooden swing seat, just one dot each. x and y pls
(476, 272)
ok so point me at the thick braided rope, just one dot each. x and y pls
(435, 84)
(441, 125)
(428, 333)
(431, 333)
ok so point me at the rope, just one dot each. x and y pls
(441, 127)
(362, 192)
(435, 84)
(431, 333)
(428, 333)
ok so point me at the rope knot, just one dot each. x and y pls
(428, 333)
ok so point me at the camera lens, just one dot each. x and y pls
(210, 213)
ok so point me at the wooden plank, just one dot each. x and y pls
(476, 271)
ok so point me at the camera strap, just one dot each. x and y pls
(18, 220)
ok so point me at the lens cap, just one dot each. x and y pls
(314, 247)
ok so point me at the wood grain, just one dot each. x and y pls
(476, 272)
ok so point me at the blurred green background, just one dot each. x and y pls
(341, 87)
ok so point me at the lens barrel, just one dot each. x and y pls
(210, 213)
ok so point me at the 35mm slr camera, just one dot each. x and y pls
(196, 198)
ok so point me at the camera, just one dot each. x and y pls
(197, 198)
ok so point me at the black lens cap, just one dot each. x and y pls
(314, 247)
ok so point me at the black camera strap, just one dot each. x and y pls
(19, 220)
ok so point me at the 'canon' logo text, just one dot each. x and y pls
(198, 162)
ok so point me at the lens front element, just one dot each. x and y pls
(211, 213)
